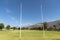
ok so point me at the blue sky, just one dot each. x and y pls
(9, 12)
(31, 11)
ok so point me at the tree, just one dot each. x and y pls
(14, 28)
(8, 27)
(45, 25)
(1, 26)
(59, 25)
(50, 29)
(39, 28)
(54, 26)
(18, 28)
(24, 28)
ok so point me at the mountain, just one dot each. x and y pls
(49, 24)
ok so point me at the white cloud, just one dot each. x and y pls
(26, 24)
(12, 18)
(7, 10)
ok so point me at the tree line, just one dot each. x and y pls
(8, 27)
(44, 27)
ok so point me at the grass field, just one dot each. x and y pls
(38, 35)
(29, 35)
(9, 35)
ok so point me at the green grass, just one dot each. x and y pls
(9, 35)
(38, 35)
(29, 35)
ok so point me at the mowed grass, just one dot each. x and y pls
(38, 35)
(9, 35)
(29, 35)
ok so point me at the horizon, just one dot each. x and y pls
(39, 23)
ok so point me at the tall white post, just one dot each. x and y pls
(42, 21)
(20, 18)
